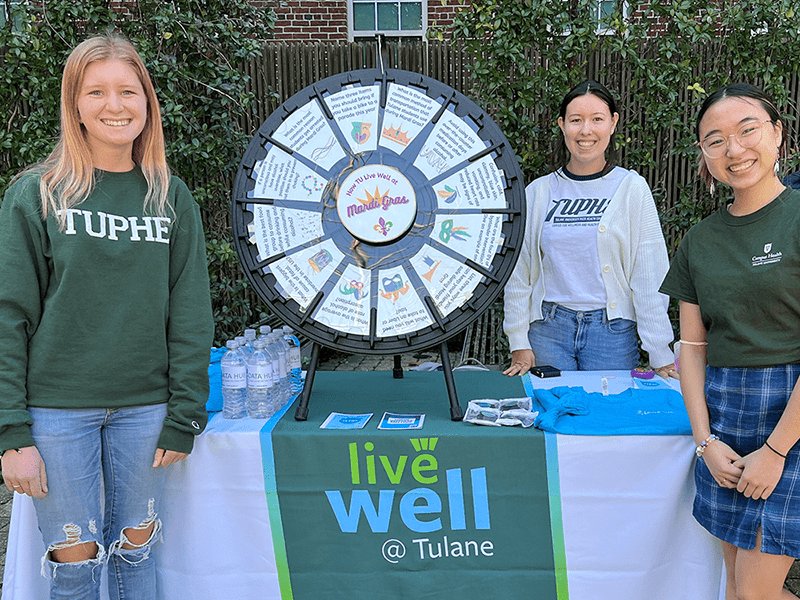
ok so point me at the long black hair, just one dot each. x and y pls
(561, 155)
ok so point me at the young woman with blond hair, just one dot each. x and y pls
(106, 325)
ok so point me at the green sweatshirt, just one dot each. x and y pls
(113, 311)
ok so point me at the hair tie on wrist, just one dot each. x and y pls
(766, 443)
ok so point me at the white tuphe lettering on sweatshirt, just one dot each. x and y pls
(104, 225)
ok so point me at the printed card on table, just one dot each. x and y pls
(337, 420)
(401, 422)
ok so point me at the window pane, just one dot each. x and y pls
(364, 16)
(388, 16)
(606, 8)
(411, 16)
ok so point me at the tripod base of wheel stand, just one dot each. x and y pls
(456, 414)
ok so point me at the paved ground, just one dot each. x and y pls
(333, 362)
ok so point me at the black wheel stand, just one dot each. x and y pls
(456, 414)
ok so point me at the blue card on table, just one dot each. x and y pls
(337, 420)
(397, 421)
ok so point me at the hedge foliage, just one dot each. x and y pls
(193, 50)
(528, 53)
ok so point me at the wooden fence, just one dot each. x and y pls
(285, 68)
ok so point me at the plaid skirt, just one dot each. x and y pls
(744, 406)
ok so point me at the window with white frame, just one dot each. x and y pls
(391, 17)
(603, 10)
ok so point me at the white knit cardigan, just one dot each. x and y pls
(633, 263)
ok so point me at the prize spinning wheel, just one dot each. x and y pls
(379, 212)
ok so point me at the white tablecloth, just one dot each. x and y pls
(624, 504)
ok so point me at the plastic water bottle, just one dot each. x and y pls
(244, 350)
(264, 331)
(295, 362)
(259, 383)
(249, 338)
(284, 350)
(234, 383)
(281, 390)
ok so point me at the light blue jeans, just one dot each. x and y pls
(583, 341)
(89, 455)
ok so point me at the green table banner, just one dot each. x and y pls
(453, 508)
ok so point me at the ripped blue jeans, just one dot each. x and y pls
(91, 456)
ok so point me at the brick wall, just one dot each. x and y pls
(638, 11)
(326, 20)
(441, 16)
(318, 20)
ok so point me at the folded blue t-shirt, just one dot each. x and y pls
(214, 403)
(574, 411)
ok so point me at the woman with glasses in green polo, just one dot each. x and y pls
(737, 277)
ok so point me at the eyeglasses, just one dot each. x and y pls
(748, 135)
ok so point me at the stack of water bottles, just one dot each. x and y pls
(260, 373)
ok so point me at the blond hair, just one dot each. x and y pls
(67, 174)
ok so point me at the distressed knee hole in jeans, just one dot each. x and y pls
(73, 534)
(136, 553)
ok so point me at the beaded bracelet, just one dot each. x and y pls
(704, 444)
